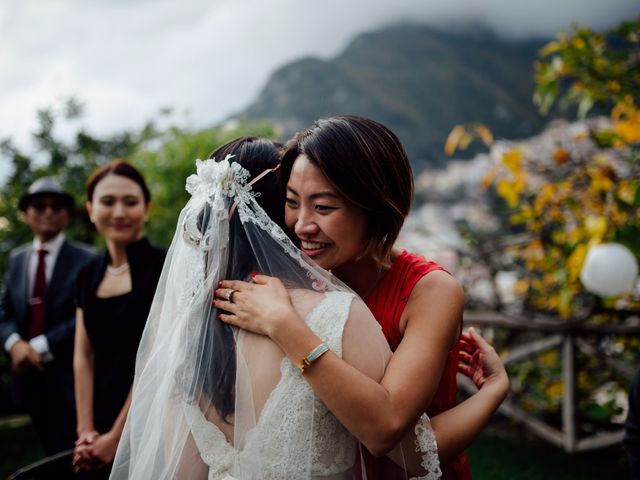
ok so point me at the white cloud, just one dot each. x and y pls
(127, 59)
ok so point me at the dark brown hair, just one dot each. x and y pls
(256, 155)
(117, 167)
(368, 166)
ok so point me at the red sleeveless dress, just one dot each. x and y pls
(387, 302)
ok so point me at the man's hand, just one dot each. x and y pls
(24, 357)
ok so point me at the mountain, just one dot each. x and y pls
(417, 80)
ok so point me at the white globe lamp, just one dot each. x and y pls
(609, 270)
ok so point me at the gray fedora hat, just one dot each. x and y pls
(45, 186)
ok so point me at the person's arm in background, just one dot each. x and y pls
(83, 371)
(456, 428)
(631, 442)
(104, 446)
(22, 354)
(8, 327)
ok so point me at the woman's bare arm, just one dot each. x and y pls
(378, 414)
(456, 428)
(83, 362)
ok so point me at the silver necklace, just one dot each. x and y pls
(118, 270)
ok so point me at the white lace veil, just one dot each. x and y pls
(210, 401)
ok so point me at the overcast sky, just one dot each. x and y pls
(125, 59)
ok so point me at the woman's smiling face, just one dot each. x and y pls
(118, 209)
(332, 230)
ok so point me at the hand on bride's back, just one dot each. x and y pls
(261, 306)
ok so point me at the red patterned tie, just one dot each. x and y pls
(36, 326)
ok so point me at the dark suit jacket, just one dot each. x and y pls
(631, 441)
(59, 320)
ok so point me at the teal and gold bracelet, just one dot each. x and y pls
(315, 354)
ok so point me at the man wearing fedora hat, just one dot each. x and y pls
(37, 313)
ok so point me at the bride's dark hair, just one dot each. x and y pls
(256, 155)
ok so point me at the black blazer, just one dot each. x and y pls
(59, 306)
(631, 442)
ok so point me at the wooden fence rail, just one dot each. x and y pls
(568, 336)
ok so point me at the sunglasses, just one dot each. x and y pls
(41, 205)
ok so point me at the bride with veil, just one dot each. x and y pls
(212, 401)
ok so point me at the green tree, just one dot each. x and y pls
(165, 157)
(582, 191)
(70, 161)
(586, 190)
(167, 165)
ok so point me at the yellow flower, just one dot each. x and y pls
(521, 287)
(600, 181)
(626, 121)
(509, 192)
(596, 226)
(583, 380)
(488, 179)
(555, 390)
(453, 140)
(549, 358)
(512, 160)
(575, 261)
(627, 191)
(483, 132)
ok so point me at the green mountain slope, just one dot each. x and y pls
(417, 80)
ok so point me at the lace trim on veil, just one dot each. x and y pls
(427, 446)
(215, 181)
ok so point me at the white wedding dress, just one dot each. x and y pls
(285, 418)
(284, 421)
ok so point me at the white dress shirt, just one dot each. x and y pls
(40, 343)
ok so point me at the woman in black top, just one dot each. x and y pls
(114, 294)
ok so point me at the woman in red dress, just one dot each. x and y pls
(349, 187)
(387, 302)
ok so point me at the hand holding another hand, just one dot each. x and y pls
(94, 450)
(82, 455)
(104, 448)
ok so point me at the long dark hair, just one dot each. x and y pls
(256, 155)
(368, 166)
